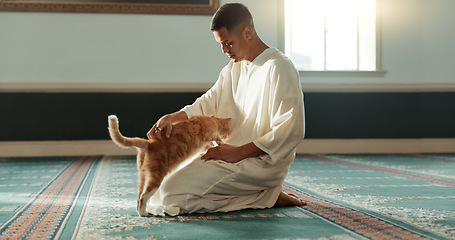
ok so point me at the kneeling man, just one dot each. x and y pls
(260, 91)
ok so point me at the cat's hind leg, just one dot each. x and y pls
(140, 190)
(142, 203)
(141, 179)
(150, 189)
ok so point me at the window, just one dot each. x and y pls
(331, 35)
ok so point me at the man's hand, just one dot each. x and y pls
(224, 152)
(232, 154)
(164, 125)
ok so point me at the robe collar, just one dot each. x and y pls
(259, 60)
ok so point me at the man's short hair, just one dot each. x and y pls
(230, 16)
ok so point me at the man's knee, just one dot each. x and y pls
(183, 181)
(195, 179)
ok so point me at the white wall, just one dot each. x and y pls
(62, 47)
(417, 46)
(417, 38)
(111, 48)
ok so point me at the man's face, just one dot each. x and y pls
(232, 43)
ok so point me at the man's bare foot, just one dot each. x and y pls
(288, 200)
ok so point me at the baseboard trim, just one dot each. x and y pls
(377, 146)
(308, 146)
(62, 148)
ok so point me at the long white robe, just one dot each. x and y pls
(265, 102)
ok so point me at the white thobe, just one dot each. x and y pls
(265, 102)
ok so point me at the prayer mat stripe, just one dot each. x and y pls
(380, 169)
(353, 220)
(44, 216)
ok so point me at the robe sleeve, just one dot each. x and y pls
(286, 113)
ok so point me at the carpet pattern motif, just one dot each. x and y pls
(416, 190)
(349, 197)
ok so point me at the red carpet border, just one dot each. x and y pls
(362, 223)
(44, 216)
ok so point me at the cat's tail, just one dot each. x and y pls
(121, 140)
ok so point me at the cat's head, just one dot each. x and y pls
(224, 127)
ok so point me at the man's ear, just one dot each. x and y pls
(248, 32)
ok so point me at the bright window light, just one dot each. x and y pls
(331, 35)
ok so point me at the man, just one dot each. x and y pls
(260, 91)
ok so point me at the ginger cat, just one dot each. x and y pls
(155, 159)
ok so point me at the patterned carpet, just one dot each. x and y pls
(349, 197)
